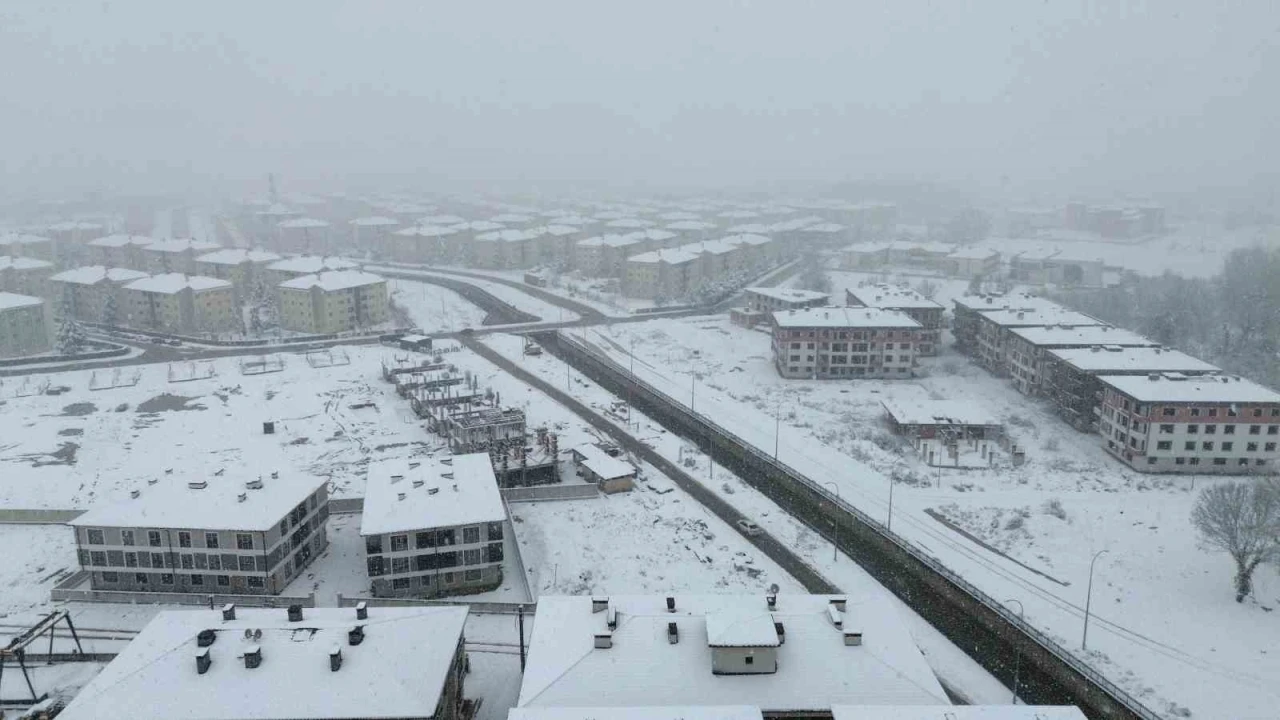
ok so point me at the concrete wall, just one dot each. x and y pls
(744, 661)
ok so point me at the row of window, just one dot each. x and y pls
(186, 561)
(1193, 428)
(432, 538)
(1196, 412)
(1208, 446)
(244, 541)
(848, 371)
(449, 578)
(1241, 462)
(854, 347)
(850, 334)
(255, 581)
(378, 565)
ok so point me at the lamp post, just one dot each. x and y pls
(633, 380)
(1017, 662)
(889, 525)
(835, 535)
(1088, 600)
(777, 427)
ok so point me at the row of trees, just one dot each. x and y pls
(1241, 519)
(1231, 320)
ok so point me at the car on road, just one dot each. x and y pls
(749, 528)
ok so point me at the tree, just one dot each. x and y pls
(928, 289)
(1243, 520)
(70, 336)
(110, 313)
(813, 273)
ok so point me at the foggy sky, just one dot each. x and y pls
(1057, 97)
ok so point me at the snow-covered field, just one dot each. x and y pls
(432, 308)
(1201, 651)
(505, 293)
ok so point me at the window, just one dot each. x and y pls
(1213, 412)
(1257, 412)
(97, 557)
(166, 578)
(126, 537)
(140, 578)
(1228, 429)
(1180, 461)
(472, 557)
(197, 580)
(244, 541)
(1259, 462)
(1219, 461)
(424, 540)
(1243, 461)
(1166, 429)
(96, 538)
(224, 580)
(1210, 429)
(131, 559)
(373, 544)
(110, 577)
(1189, 446)
(1273, 429)
(888, 346)
(188, 563)
(749, 660)
(246, 563)
(1251, 447)
(374, 565)
(184, 539)
(1255, 429)
(495, 531)
(211, 540)
(1195, 412)
(284, 526)
(1195, 461)
(399, 543)
(215, 562)
(1270, 447)
(256, 582)
(1232, 412)
(1193, 429)
(1151, 461)
(1206, 446)
(450, 578)
(1164, 445)
(471, 534)
(401, 583)
(1227, 446)
(399, 565)
(157, 560)
(153, 538)
(472, 575)
(1168, 412)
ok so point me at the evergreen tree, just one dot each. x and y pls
(70, 336)
(110, 313)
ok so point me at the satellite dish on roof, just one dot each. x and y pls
(773, 589)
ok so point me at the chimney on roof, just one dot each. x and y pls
(362, 611)
(205, 638)
(355, 635)
(242, 497)
(252, 656)
(229, 612)
(335, 658)
(599, 604)
(836, 617)
(295, 613)
(254, 484)
(673, 633)
(203, 661)
(852, 637)
(399, 496)
(1153, 376)
(198, 484)
(611, 617)
(772, 601)
(781, 631)
(135, 493)
(604, 640)
(671, 604)
(838, 602)
(275, 474)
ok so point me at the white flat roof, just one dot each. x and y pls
(788, 294)
(22, 239)
(745, 239)
(455, 490)
(891, 297)
(94, 274)
(741, 627)
(1173, 387)
(9, 301)
(991, 302)
(398, 671)
(478, 226)
(751, 228)
(182, 245)
(303, 222)
(603, 464)
(509, 236)
(171, 503)
(839, 317)
(630, 222)
(825, 228)
(236, 256)
(427, 231)
(375, 221)
(1101, 359)
(1086, 335)
(310, 264)
(1019, 317)
(122, 240)
(560, 230)
(671, 256)
(815, 668)
(691, 225)
(333, 280)
(974, 253)
(958, 712)
(917, 408)
(23, 263)
(441, 220)
(169, 283)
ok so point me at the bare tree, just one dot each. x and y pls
(1243, 520)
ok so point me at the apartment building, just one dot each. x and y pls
(944, 433)
(995, 331)
(792, 656)
(122, 251)
(839, 343)
(604, 255)
(233, 663)
(25, 327)
(1054, 267)
(174, 256)
(757, 251)
(970, 308)
(866, 256)
(427, 243)
(214, 534)
(302, 235)
(84, 291)
(173, 302)
(669, 273)
(433, 526)
(25, 276)
(773, 299)
(373, 234)
(242, 268)
(1027, 348)
(908, 302)
(973, 262)
(1069, 376)
(333, 302)
(506, 249)
(28, 246)
(1170, 422)
(555, 244)
(300, 265)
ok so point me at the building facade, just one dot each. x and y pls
(122, 251)
(174, 256)
(181, 303)
(244, 269)
(842, 343)
(908, 302)
(25, 327)
(1169, 422)
(86, 292)
(1028, 347)
(26, 276)
(333, 302)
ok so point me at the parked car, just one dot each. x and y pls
(750, 528)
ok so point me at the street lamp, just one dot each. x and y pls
(835, 536)
(1088, 600)
(777, 427)
(889, 525)
(1017, 663)
(633, 380)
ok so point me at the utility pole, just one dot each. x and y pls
(889, 525)
(1088, 600)
(777, 427)
(1017, 662)
(520, 615)
(835, 535)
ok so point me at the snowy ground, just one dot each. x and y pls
(599, 293)
(1203, 652)
(432, 308)
(505, 293)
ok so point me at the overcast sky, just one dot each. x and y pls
(1059, 97)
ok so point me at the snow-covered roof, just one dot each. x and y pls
(653, 712)
(312, 264)
(509, 236)
(22, 239)
(630, 223)
(750, 228)
(678, 215)
(94, 274)
(237, 256)
(10, 301)
(277, 210)
(333, 280)
(739, 214)
(671, 256)
(990, 302)
(427, 231)
(909, 407)
(122, 240)
(1056, 336)
(441, 220)
(1020, 317)
(408, 495)
(304, 223)
(815, 667)
(742, 627)
(1114, 358)
(603, 464)
(561, 230)
(511, 218)
(843, 317)
(891, 297)
(745, 239)
(788, 294)
(1176, 387)
(572, 220)
(869, 248)
(173, 503)
(611, 240)
(957, 712)
(375, 221)
(478, 226)
(182, 245)
(652, 234)
(23, 263)
(974, 253)
(689, 225)
(714, 247)
(825, 228)
(170, 283)
(74, 225)
(399, 670)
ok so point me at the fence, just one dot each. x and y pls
(346, 506)
(113, 351)
(19, 516)
(549, 492)
(69, 590)
(477, 607)
(261, 342)
(707, 428)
